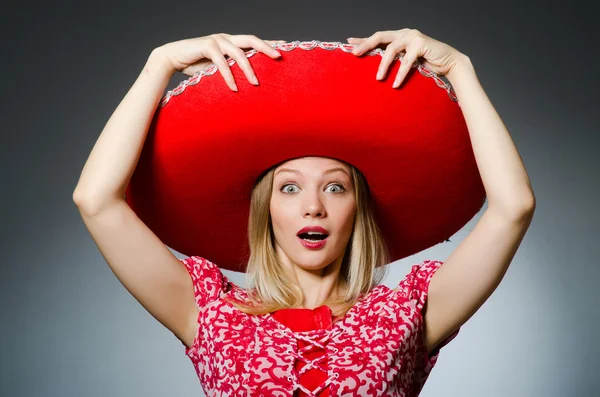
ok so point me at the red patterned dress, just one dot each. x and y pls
(376, 349)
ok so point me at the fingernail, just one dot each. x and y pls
(277, 53)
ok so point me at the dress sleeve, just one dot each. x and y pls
(415, 286)
(207, 279)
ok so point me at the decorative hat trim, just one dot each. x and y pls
(305, 45)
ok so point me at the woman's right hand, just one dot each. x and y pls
(191, 55)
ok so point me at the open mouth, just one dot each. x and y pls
(313, 237)
(312, 241)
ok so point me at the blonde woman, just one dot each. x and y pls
(317, 322)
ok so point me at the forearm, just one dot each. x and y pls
(503, 174)
(113, 159)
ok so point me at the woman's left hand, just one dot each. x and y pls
(439, 57)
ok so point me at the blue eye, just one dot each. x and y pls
(283, 187)
(337, 184)
(333, 184)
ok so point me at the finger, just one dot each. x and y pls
(219, 59)
(405, 66)
(267, 47)
(371, 42)
(355, 41)
(239, 55)
(365, 45)
(251, 41)
(388, 57)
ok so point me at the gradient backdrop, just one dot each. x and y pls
(69, 328)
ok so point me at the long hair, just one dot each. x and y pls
(363, 266)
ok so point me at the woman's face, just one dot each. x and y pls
(318, 193)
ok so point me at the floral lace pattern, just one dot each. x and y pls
(376, 349)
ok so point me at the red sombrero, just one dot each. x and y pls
(207, 145)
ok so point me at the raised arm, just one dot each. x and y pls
(141, 262)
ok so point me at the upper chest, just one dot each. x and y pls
(370, 348)
(378, 326)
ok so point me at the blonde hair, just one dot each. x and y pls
(362, 268)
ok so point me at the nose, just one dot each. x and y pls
(313, 205)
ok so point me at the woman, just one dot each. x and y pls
(287, 335)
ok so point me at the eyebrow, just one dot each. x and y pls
(326, 172)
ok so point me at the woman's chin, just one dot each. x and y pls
(313, 260)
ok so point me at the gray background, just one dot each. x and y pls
(69, 328)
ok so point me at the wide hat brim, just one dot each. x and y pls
(207, 145)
